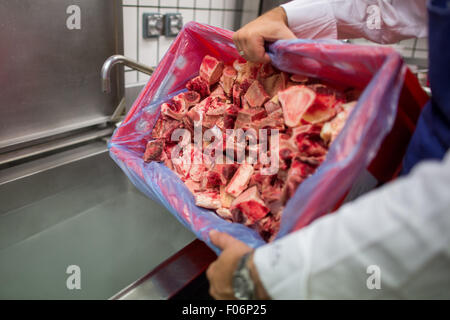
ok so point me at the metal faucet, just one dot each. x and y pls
(116, 59)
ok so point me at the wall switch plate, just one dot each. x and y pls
(153, 25)
(173, 23)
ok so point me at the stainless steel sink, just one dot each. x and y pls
(78, 208)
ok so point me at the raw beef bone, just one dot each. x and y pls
(308, 114)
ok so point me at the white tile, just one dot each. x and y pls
(409, 43)
(188, 15)
(422, 43)
(407, 53)
(130, 32)
(187, 3)
(230, 4)
(131, 77)
(148, 48)
(421, 54)
(148, 2)
(129, 2)
(202, 16)
(143, 78)
(164, 44)
(216, 18)
(248, 16)
(251, 6)
(168, 3)
(229, 20)
(217, 4)
(202, 4)
(168, 10)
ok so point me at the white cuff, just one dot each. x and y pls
(281, 267)
(309, 19)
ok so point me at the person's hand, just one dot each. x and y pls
(220, 272)
(271, 26)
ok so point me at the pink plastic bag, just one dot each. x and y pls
(379, 70)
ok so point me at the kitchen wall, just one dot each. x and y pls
(228, 14)
(411, 48)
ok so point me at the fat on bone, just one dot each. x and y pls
(274, 84)
(331, 129)
(247, 71)
(240, 180)
(295, 101)
(164, 128)
(298, 172)
(247, 117)
(225, 198)
(299, 78)
(193, 186)
(191, 98)
(199, 85)
(176, 109)
(211, 69)
(256, 96)
(324, 106)
(308, 141)
(207, 199)
(266, 70)
(227, 80)
(272, 105)
(218, 92)
(225, 213)
(250, 205)
(217, 107)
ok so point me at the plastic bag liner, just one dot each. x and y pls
(379, 70)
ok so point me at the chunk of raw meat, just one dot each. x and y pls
(191, 98)
(299, 78)
(295, 101)
(154, 151)
(330, 130)
(255, 95)
(225, 198)
(176, 109)
(228, 77)
(207, 199)
(225, 213)
(246, 117)
(164, 128)
(211, 70)
(250, 205)
(307, 113)
(199, 85)
(240, 180)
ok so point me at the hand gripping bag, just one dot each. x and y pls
(374, 138)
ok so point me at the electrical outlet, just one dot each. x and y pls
(153, 25)
(173, 23)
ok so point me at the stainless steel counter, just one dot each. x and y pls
(78, 208)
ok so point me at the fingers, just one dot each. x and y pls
(220, 239)
(237, 40)
(253, 47)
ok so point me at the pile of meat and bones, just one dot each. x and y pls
(304, 115)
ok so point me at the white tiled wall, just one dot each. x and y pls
(411, 48)
(227, 14)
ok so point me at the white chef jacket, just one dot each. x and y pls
(393, 242)
(382, 21)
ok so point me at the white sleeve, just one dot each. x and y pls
(398, 234)
(382, 21)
